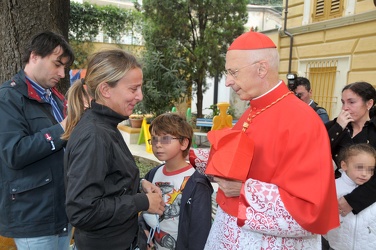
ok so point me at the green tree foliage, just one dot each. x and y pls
(87, 20)
(198, 32)
(163, 86)
(117, 22)
(84, 22)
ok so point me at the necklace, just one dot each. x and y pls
(250, 118)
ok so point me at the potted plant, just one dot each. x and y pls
(136, 120)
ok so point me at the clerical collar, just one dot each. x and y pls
(269, 97)
(280, 82)
(39, 89)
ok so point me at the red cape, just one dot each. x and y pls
(292, 151)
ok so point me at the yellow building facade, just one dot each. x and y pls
(331, 42)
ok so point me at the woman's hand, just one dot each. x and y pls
(344, 207)
(156, 203)
(344, 118)
(149, 187)
(154, 194)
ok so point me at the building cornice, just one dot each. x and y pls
(332, 23)
(261, 8)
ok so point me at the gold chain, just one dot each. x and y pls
(249, 119)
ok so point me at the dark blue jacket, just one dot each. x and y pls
(195, 218)
(320, 111)
(32, 197)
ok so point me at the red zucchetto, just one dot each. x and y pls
(252, 40)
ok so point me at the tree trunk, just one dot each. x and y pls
(19, 21)
(199, 98)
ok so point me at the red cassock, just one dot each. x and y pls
(291, 151)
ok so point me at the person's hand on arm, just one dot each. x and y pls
(344, 207)
(362, 197)
(231, 188)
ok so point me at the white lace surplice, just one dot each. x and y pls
(268, 225)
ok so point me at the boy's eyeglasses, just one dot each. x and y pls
(166, 139)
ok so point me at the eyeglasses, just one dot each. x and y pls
(234, 73)
(166, 139)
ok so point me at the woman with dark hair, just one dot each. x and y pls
(354, 125)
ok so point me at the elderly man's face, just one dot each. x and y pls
(242, 74)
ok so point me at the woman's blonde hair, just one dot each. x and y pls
(106, 66)
(78, 101)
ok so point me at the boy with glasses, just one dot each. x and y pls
(356, 231)
(186, 221)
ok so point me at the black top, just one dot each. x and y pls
(102, 181)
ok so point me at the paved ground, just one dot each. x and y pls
(140, 151)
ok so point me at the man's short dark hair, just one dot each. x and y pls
(44, 43)
(302, 81)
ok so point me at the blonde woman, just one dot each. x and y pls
(102, 179)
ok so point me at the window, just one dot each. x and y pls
(322, 75)
(328, 76)
(325, 9)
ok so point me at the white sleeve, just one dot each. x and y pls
(266, 213)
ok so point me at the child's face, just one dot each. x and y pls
(166, 147)
(359, 167)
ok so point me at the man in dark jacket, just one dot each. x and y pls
(302, 89)
(32, 196)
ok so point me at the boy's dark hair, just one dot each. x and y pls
(355, 149)
(302, 81)
(173, 124)
(44, 43)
